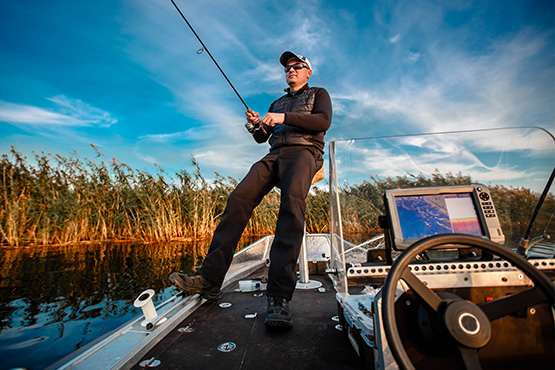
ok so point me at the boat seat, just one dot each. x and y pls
(319, 175)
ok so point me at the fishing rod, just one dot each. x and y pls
(250, 127)
(204, 48)
(523, 244)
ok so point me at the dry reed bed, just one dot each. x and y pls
(63, 200)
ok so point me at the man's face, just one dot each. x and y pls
(297, 77)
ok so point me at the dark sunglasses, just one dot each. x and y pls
(296, 67)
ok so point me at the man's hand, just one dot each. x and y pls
(272, 119)
(252, 116)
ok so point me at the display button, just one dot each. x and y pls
(484, 196)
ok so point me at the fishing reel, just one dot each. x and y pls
(250, 127)
(254, 127)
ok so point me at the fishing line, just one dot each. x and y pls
(203, 49)
(549, 222)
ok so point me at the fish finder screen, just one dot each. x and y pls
(425, 215)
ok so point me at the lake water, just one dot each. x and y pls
(54, 300)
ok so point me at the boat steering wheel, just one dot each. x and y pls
(466, 323)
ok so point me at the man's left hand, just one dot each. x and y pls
(272, 119)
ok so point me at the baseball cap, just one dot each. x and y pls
(289, 54)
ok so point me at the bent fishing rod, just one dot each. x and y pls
(250, 127)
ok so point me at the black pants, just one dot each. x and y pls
(292, 168)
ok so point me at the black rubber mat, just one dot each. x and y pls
(312, 343)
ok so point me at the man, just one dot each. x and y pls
(295, 126)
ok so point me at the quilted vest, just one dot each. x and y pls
(285, 135)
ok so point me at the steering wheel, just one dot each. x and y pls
(466, 323)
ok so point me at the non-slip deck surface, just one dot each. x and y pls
(312, 343)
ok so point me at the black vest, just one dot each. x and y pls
(300, 102)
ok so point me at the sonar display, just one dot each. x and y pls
(425, 215)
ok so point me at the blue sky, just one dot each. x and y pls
(126, 76)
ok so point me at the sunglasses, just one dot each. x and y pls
(296, 67)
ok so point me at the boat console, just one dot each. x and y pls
(453, 296)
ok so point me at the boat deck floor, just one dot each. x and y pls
(312, 343)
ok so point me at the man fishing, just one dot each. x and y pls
(294, 126)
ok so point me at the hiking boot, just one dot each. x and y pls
(196, 283)
(278, 314)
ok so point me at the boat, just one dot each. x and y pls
(452, 280)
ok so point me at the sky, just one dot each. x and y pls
(129, 78)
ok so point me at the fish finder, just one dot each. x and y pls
(415, 213)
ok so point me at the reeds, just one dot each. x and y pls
(65, 200)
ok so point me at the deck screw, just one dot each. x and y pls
(227, 347)
(151, 362)
(187, 329)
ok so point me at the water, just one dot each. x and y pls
(54, 300)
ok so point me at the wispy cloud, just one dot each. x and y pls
(413, 56)
(512, 156)
(391, 68)
(66, 112)
(82, 112)
(395, 39)
(27, 114)
(494, 89)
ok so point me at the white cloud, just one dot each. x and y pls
(428, 83)
(413, 56)
(27, 114)
(83, 112)
(395, 39)
(67, 112)
(459, 90)
(515, 156)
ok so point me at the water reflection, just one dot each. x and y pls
(55, 300)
